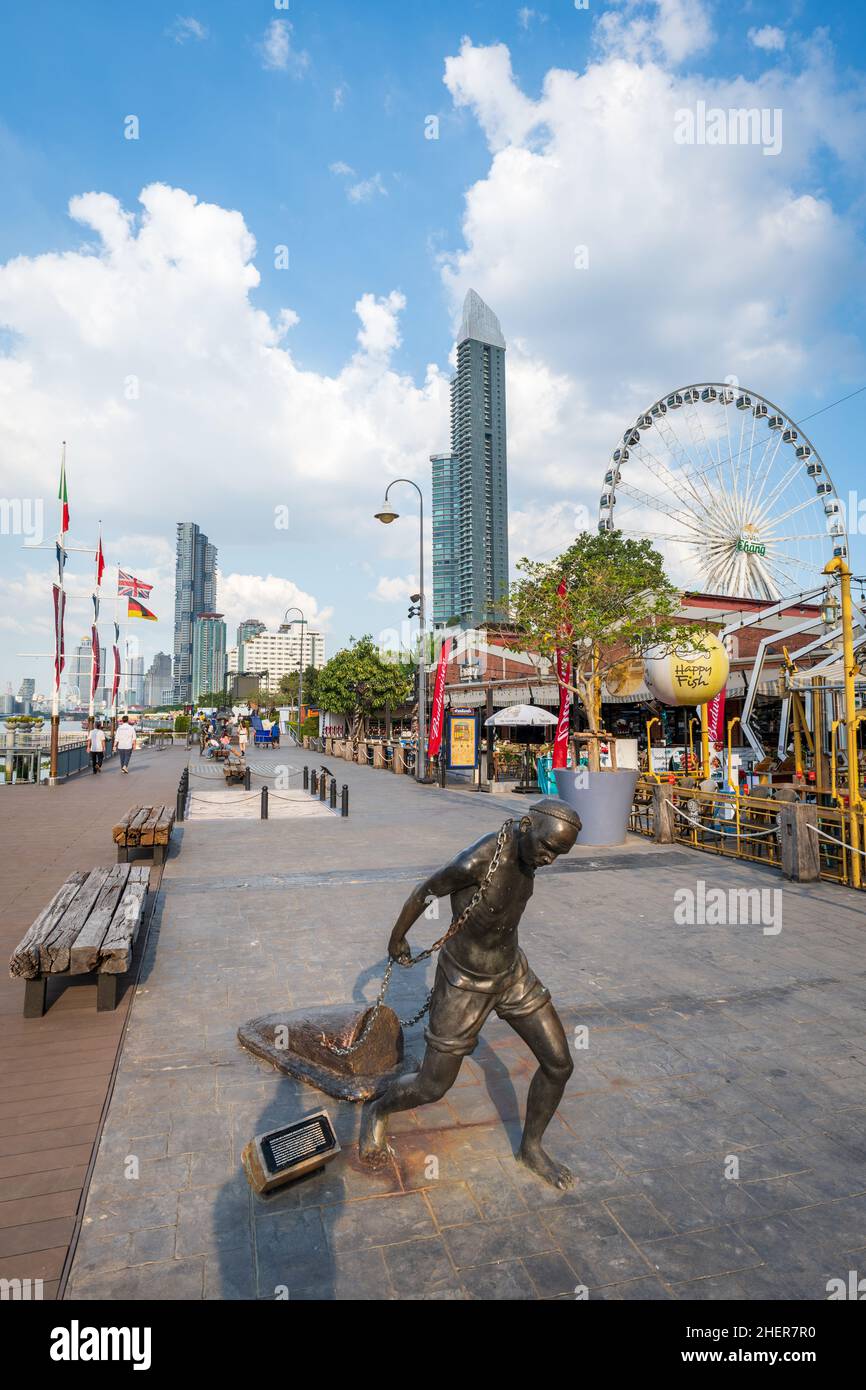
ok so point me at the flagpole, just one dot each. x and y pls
(58, 628)
(94, 649)
(116, 654)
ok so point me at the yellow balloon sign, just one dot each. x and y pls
(688, 677)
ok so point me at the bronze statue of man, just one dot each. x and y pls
(481, 968)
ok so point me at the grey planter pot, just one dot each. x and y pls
(603, 804)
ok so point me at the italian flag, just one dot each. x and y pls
(62, 497)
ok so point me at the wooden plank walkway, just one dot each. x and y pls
(56, 1071)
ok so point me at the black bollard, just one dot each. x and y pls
(333, 793)
(181, 803)
(344, 808)
(306, 778)
(248, 775)
(323, 787)
(314, 786)
(264, 803)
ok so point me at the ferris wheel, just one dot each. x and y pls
(729, 489)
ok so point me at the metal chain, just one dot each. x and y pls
(458, 922)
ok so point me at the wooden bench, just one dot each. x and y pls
(145, 827)
(90, 925)
(235, 769)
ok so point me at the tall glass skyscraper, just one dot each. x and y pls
(470, 485)
(208, 654)
(250, 627)
(194, 593)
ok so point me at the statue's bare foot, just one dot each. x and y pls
(373, 1146)
(533, 1157)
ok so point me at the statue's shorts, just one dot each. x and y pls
(463, 1000)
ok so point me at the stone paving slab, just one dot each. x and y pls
(715, 1121)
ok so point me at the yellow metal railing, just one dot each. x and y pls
(741, 825)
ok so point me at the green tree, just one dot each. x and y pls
(618, 603)
(287, 691)
(357, 681)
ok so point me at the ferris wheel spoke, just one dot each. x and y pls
(792, 511)
(647, 499)
(655, 466)
(684, 462)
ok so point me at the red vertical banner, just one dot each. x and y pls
(716, 717)
(437, 714)
(59, 653)
(94, 660)
(563, 676)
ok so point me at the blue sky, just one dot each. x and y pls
(254, 110)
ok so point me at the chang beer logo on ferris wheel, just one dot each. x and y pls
(748, 546)
(687, 677)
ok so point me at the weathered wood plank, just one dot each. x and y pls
(165, 825)
(84, 952)
(119, 831)
(54, 951)
(149, 828)
(24, 963)
(133, 833)
(115, 953)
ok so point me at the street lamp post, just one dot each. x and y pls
(386, 515)
(300, 662)
(838, 566)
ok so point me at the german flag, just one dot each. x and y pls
(135, 609)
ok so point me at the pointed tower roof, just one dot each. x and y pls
(479, 322)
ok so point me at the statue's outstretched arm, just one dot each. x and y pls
(462, 872)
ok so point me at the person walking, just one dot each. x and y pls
(243, 736)
(96, 747)
(124, 742)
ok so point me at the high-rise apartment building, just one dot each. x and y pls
(279, 653)
(446, 536)
(158, 682)
(208, 655)
(250, 627)
(470, 497)
(194, 593)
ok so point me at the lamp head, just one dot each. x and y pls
(386, 513)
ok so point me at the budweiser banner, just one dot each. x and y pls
(563, 675)
(434, 741)
(94, 660)
(716, 717)
(59, 654)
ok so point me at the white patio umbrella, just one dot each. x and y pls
(523, 715)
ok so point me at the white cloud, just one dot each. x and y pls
(186, 27)
(223, 424)
(526, 17)
(379, 333)
(242, 596)
(769, 38)
(339, 96)
(367, 188)
(698, 262)
(670, 30)
(278, 52)
(341, 169)
(394, 590)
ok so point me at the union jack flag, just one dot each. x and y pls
(130, 586)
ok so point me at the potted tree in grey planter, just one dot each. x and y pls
(604, 601)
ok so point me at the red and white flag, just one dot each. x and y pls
(115, 684)
(437, 714)
(563, 676)
(59, 653)
(94, 660)
(100, 562)
(130, 586)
